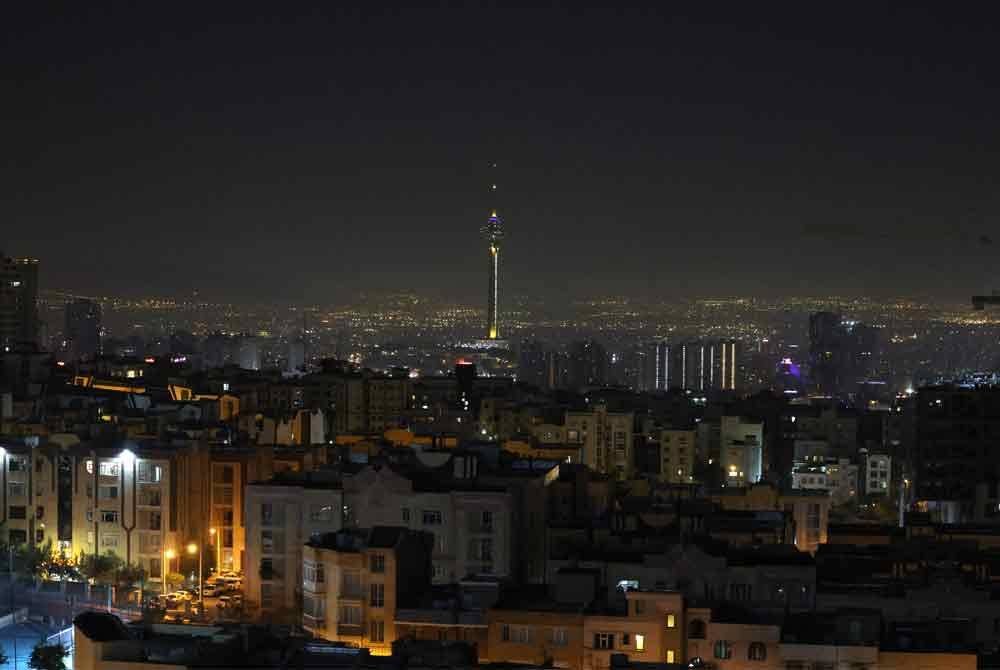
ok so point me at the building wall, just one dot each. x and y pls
(734, 640)
(902, 660)
(605, 438)
(295, 514)
(520, 636)
(380, 497)
(677, 455)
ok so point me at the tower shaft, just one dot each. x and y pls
(493, 297)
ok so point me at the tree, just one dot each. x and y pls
(48, 657)
(129, 577)
(99, 568)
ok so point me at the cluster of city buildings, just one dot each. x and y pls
(550, 518)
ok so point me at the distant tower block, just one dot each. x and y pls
(493, 232)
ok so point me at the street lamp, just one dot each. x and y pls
(168, 555)
(216, 540)
(192, 549)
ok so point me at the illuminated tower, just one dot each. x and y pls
(493, 232)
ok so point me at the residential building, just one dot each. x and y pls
(741, 450)
(353, 582)
(281, 515)
(809, 509)
(83, 329)
(605, 439)
(677, 455)
(18, 302)
(471, 521)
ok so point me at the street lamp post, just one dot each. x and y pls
(192, 548)
(216, 540)
(168, 555)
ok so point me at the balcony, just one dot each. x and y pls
(350, 630)
(351, 592)
(317, 624)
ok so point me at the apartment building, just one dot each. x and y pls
(281, 515)
(353, 582)
(605, 439)
(809, 509)
(470, 521)
(650, 630)
(677, 455)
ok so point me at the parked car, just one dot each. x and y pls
(212, 590)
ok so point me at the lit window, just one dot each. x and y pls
(640, 642)
(109, 469)
(671, 621)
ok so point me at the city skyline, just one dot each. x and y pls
(637, 160)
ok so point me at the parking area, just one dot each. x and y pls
(223, 599)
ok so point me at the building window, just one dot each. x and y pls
(313, 572)
(377, 595)
(320, 512)
(109, 541)
(406, 515)
(505, 633)
(670, 655)
(110, 469)
(432, 517)
(626, 639)
(39, 512)
(267, 595)
(377, 563)
(266, 513)
(150, 473)
(757, 652)
(109, 516)
(559, 637)
(640, 642)
(487, 520)
(723, 650)
(16, 489)
(350, 615)
(604, 640)
(18, 536)
(16, 465)
(90, 466)
(378, 631)
(640, 606)
(521, 635)
(39, 536)
(107, 492)
(18, 512)
(671, 621)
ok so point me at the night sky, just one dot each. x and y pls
(644, 152)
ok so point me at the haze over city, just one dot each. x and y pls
(642, 151)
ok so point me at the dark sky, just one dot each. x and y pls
(649, 151)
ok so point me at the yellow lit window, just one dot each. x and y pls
(670, 655)
(671, 621)
(640, 642)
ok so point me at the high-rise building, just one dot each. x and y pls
(697, 365)
(83, 329)
(18, 301)
(493, 232)
(842, 353)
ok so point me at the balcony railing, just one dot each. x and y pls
(350, 630)
(315, 623)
